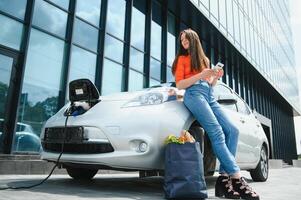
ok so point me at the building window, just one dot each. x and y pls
(155, 69)
(62, 3)
(138, 25)
(112, 80)
(135, 81)
(137, 46)
(5, 73)
(136, 60)
(156, 31)
(14, 7)
(82, 64)
(50, 18)
(230, 18)
(171, 45)
(156, 41)
(11, 32)
(85, 35)
(113, 48)
(116, 18)
(89, 11)
(42, 78)
(223, 14)
(236, 22)
(214, 11)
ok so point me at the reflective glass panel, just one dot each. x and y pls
(138, 27)
(222, 12)
(170, 77)
(214, 8)
(113, 48)
(230, 17)
(156, 30)
(136, 60)
(42, 78)
(153, 82)
(6, 64)
(82, 65)
(171, 39)
(14, 7)
(85, 35)
(11, 32)
(89, 11)
(116, 18)
(135, 81)
(155, 69)
(236, 22)
(205, 3)
(62, 3)
(242, 29)
(49, 18)
(112, 77)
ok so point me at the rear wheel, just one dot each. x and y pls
(81, 173)
(261, 172)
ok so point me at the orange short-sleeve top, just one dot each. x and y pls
(183, 68)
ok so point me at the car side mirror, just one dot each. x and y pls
(226, 99)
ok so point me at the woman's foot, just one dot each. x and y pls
(224, 188)
(245, 191)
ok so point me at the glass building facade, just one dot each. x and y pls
(127, 45)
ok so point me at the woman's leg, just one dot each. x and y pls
(197, 103)
(230, 130)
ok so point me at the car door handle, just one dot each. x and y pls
(242, 120)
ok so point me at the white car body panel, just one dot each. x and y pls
(125, 128)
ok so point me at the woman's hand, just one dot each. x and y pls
(207, 74)
(220, 73)
(213, 80)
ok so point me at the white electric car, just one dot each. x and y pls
(126, 131)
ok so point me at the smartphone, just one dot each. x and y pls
(219, 65)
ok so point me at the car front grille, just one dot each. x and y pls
(73, 140)
(84, 148)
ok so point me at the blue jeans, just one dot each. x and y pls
(222, 133)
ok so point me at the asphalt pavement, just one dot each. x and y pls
(282, 184)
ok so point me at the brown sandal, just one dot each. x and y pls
(224, 188)
(245, 191)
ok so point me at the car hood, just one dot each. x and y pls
(121, 96)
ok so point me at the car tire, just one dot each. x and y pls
(81, 173)
(261, 172)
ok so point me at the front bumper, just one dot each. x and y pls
(124, 129)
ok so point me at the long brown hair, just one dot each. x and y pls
(199, 61)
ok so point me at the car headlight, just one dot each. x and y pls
(150, 98)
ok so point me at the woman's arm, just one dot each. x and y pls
(204, 75)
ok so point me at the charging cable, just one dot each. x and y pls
(56, 163)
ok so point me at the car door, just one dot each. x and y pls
(238, 119)
(249, 134)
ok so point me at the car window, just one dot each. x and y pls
(229, 107)
(242, 107)
(220, 89)
(20, 127)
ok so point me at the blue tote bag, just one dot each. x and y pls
(184, 172)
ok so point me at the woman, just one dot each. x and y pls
(192, 72)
